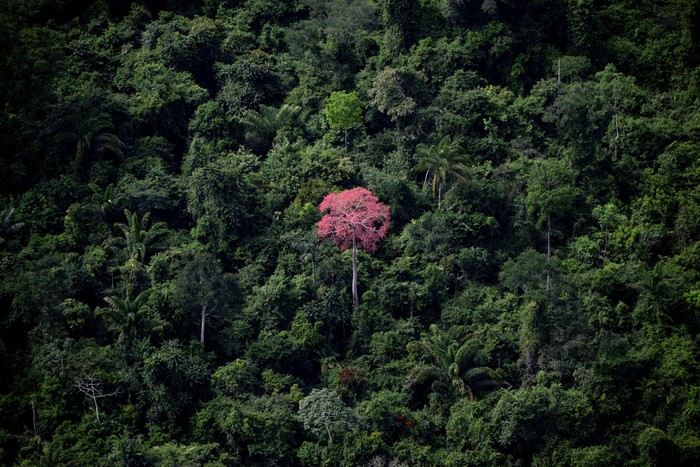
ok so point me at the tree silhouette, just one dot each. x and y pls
(355, 219)
(91, 386)
(201, 286)
(443, 160)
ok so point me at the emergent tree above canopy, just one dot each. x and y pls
(355, 218)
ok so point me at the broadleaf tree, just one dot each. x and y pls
(344, 111)
(355, 218)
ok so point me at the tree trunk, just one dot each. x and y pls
(313, 272)
(204, 317)
(34, 417)
(346, 141)
(327, 423)
(529, 361)
(607, 236)
(617, 131)
(97, 411)
(549, 253)
(355, 297)
(558, 74)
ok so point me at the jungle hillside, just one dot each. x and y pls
(350, 233)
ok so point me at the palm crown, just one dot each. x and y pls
(446, 159)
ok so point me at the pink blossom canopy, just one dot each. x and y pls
(357, 214)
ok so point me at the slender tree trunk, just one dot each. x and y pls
(558, 73)
(617, 129)
(355, 297)
(34, 417)
(204, 318)
(548, 287)
(327, 423)
(346, 141)
(97, 411)
(529, 340)
(313, 272)
(605, 250)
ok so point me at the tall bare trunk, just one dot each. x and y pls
(548, 287)
(97, 411)
(529, 361)
(558, 73)
(617, 130)
(355, 297)
(34, 417)
(204, 318)
(313, 272)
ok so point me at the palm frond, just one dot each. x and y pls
(424, 373)
(95, 135)
(262, 125)
(7, 224)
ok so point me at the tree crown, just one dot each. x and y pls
(353, 214)
(344, 110)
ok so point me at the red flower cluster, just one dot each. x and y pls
(354, 215)
(350, 377)
(406, 423)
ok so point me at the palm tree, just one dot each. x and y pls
(443, 160)
(450, 364)
(308, 246)
(96, 136)
(105, 200)
(127, 317)
(137, 236)
(7, 224)
(263, 125)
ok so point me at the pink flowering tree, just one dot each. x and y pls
(354, 218)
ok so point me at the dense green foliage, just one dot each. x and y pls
(165, 301)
